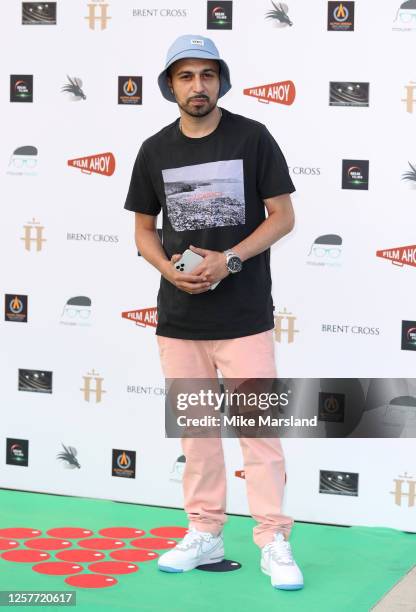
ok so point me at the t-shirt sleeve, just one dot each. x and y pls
(273, 177)
(142, 196)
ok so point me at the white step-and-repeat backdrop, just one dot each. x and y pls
(82, 407)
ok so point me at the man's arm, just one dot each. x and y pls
(280, 221)
(148, 243)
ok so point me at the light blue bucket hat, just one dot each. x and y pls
(190, 46)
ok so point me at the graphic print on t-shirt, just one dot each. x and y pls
(205, 195)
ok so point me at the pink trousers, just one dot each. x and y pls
(204, 478)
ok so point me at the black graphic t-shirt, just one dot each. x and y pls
(211, 190)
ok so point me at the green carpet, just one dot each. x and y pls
(345, 569)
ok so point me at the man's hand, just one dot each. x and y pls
(209, 271)
(213, 267)
(191, 283)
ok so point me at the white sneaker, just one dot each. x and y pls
(196, 548)
(277, 562)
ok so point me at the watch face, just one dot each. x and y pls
(234, 264)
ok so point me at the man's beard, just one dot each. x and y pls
(198, 111)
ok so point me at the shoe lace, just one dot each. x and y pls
(193, 539)
(281, 552)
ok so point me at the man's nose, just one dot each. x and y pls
(198, 85)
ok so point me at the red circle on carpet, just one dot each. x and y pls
(69, 532)
(153, 543)
(169, 532)
(57, 568)
(113, 567)
(6, 544)
(133, 555)
(25, 556)
(82, 556)
(101, 543)
(121, 532)
(91, 581)
(47, 544)
(19, 532)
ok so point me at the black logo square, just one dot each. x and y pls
(344, 93)
(331, 407)
(17, 451)
(123, 463)
(408, 335)
(338, 483)
(36, 381)
(219, 15)
(21, 88)
(340, 16)
(15, 307)
(130, 90)
(38, 13)
(355, 173)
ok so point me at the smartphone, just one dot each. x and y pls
(189, 261)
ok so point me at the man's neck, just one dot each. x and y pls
(196, 127)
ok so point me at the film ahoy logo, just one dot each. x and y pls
(400, 256)
(143, 317)
(101, 163)
(283, 92)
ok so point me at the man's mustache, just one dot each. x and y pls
(198, 98)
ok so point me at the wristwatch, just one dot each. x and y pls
(233, 262)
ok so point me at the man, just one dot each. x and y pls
(213, 172)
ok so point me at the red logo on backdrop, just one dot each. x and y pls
(283, 92)
(142, 317)
(400, 256)
(102, 163)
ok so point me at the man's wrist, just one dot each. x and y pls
(233, 261)
(238, 252)
(164, 266)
